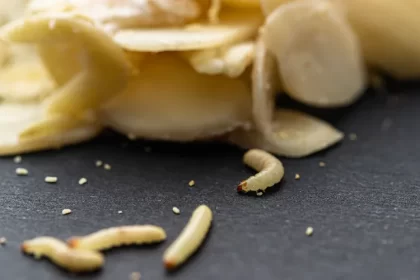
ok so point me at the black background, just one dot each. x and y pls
(364, 205)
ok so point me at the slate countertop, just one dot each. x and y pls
(364, 204)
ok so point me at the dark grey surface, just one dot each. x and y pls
(364, 205)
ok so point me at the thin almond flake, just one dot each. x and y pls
(297, 176)
(107, 166)
(99, 163)
(191, 183)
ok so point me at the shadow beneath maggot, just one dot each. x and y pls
(194, 258)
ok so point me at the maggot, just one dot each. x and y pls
(74, 260)
(271, 171)
(190, 239)
(118, 236)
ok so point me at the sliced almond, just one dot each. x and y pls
(233, 27)
(231, 61)
(318, 55)
(171, 101)
(295, 134)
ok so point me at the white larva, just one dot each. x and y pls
(118, 236)
(190, 239)
(270, 171)
(74, 260)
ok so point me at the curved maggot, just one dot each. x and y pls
(270, 171)
(104, 68)
(74, 260)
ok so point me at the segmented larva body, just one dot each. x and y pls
(74, 260)
(270, 171)
(118, 236)
(190, 239)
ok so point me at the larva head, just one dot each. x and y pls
(73, 242)
(242, 187)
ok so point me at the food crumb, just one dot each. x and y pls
(297, 176)
(17, 159)
(322, 164)
(135, 276)
(131, 136)
(99, 163)
(176, 210)
(119, 212)
(191, 183)
(50, 179)
(107, 166)
(22, 171)
(3, 241)
(260, 193)
(82, 181)
(353, 136)
(309, 231)
(66, 211)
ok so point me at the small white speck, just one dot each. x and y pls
(322, 164)
(260, 193)
(107, 166)
(135, 276)
(176, 210)
(3, 240)
(50, 179)
(66, 211)
(22, 171)
(353, 136)
(297, 176)
(309, 231)
(82, 181)
(191, 183)
(98, 163)
(131, 136)
(17, 159)
(120, 212)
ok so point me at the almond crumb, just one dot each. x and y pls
(322, 164)
(297, 176)
(66, 211)
(82, 181)
(353, 136)
(22, 171)
(17, 159)
(98, 163)
(3, 241)
(135, 276)
(191, 183)
(309, 231)
(131, 136)
(260, 193)
(107, 166)
(176, 210)
(50, 179)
